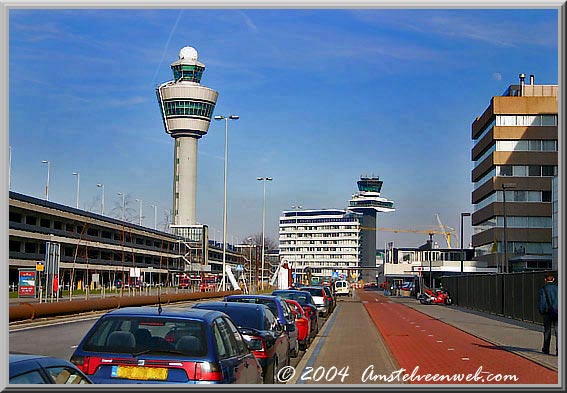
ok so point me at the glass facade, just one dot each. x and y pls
(189, 108)
(189, 73)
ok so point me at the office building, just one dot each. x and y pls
(515, 159)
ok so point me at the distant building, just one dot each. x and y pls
(323, 241)
(429, 264)
(515, 159)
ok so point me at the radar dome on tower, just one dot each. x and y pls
(189, 53)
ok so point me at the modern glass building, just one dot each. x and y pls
(515, 159)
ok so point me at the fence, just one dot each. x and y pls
(512, 295)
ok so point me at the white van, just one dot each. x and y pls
(342, 288)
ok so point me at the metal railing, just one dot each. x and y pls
(511, 295)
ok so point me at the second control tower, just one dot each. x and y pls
(186, 109)
(369, 202)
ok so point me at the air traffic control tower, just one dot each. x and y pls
(369, 203)
(186, 109)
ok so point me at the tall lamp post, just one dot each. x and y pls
(78, 184)
(462, 256)
(47, 184)
(226, 119)
(505, 186)
(155, 216)
(263, 179)
(101, 199)
(140, 212)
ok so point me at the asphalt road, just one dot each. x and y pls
(59, 337)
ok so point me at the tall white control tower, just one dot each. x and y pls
(186, 109)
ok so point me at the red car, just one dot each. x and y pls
(302, 323)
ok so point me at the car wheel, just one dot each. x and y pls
(270, 377)
(295, 352)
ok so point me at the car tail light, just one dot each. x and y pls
(82, 362)
(207, 371)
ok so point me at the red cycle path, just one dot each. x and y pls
(416, 339)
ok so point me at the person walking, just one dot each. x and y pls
(547, 305)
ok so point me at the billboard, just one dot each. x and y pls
(27, 282)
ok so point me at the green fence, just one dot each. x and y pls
(512, 295)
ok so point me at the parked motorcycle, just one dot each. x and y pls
(435, 296)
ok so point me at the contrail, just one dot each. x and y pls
(167, 45)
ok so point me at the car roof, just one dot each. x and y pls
(169, 312)
(267, 297)
(234, 305)
(20, 357)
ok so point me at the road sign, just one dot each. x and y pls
(238, 268)
(39, 266)
(335, 275)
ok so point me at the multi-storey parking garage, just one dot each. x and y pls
(93, 243)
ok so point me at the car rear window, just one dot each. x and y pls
(124, 334)
(266, 302)
(244, 317)
(300, 298)
(314, 291)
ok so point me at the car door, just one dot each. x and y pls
(290, 322)
(226, 350)
(250, 368)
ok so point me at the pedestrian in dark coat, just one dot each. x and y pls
(547, 305)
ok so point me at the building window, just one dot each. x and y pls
(31, 220)
(15, 217)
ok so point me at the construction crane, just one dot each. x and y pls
(448, 230)
(429, 232)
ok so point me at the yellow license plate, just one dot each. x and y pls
(140, 373)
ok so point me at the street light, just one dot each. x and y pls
(155, 216)
(462, 256)
(47, 184)
(263, 179)
(505, 186)
(101, 199)
(78, 181)
(122, 194)
(139, 200)
(226, 119)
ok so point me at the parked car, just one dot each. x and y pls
(37, 369)
(322, 301)
(306, 301)
(331, 296)
(280, 309)
(155, 345)
(262, 331)
(342, 288)
(302, 323)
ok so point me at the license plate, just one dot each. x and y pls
(139, 373)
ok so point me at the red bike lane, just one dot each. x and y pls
(425, 346)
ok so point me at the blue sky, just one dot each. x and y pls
(324, 96)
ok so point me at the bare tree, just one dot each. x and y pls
(129, 211)
(166, 220)
(269, 244)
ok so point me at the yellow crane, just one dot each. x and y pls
(430, 232)
(448, 230)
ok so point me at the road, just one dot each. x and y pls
(58, 337)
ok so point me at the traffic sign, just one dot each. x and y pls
(39, 266)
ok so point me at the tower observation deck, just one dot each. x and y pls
(369, 202)
(186, 108)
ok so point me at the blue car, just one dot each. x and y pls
(155, 345)
(262, 331)
(38, 369)
(280, 309)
